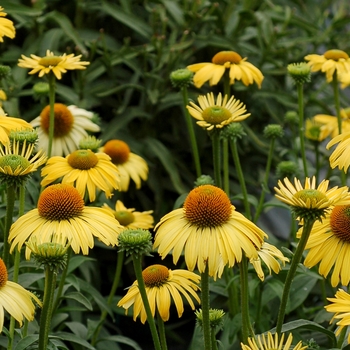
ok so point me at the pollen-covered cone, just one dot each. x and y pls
(269, 341)
(340, 305)
(239, 69)
(16, 300)
(209, 231)
(7, 124)
(61, 216)
(329, 245)
(162, 287)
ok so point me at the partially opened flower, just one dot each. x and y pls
(130, 165)
(162, 286)
(310, 200)
(238, 68)
(71, 125)
(330, 122)
(209, 231)
(270, 255)
(269, 341)
(6, 26)
(52, 63)
(61, 214)
(18, 161)
(340, 305)
(315, 130)
(332, 61)
(329, 245)
(341, 155)
(16, 300)
(129, 218)
(216, 114)
(84, 169)
(7, 124)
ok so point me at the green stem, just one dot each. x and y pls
(205, 303)
(52, 88)
(62, 280)
(341, 338)
(227, 86)
(301, 126)
(292, 270)
(11, 194)
(142, 289)
(240, 177)
(317, 159)
(46, 312)
(16, 266)
(246, 326)
(266, 179)
(225, 166)
(215, 137)
(214, 343)
(161, 330)
(118, 272)
(192, 135)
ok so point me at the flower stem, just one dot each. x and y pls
(246, 326)
(142, 289)
(266, 179)
(214, 343)
(240, 177)
(233, 306)
(189, 122)
(52, 88)
(308, 223)
(118, 271)
(215, 137)
(205, 309)
(46, 312)
(301, 126)
(225, 166)
(161, 330)
(11, 194)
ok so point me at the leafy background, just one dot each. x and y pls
(133, 46)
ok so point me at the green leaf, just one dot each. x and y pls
(78, 329)
(174, 11)
(76, 261)
(74, 339)
(123, 340)
(133, 22)
(24, 343)
(80, 298)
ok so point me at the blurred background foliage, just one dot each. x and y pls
(133, 46)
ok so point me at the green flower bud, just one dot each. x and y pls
(287, 169)
(181, 78)
(292, 118)
(135, 242)
(232, 131)
(273, 131)
(204, 180)
(216, 318)
(300, 72)
(91, 143)
(30, 136)
(5, 71)
(41, 89)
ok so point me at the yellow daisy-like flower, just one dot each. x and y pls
(52, 63)
(330, 122)
(340, 156)
(344, 79)
(309, 198)
(7, 124)
(329, 245)
(60, 217)
(84, 169)
(211, 114)
(341, 308)
(269, 254)
(129, 218)
(16, 300)
(239, 69)
(130, 165)
(209, 231)
(315, 130)
(17, 160)
(162, 286)
(6, 26)
(269, 341)
(331, 61)
(71, 125)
